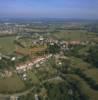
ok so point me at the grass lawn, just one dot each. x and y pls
(6, 44)
(11, 84)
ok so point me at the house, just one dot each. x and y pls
(36, 97)
(0, 58)
(75, 42)
(13, 58)
(13, 98)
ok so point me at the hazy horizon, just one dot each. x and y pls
(81, 9)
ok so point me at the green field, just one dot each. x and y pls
(70, 35)
(11, 85)
(73, 35)
(6, 44)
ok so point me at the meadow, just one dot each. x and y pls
(7, 44)
(74, 35)
(11, 84)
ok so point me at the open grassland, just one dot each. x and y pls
(11, 84)
(7, 44)
(27, 42)
(73, 35)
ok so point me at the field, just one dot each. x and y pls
(73, 35)
(31, 51)
(6, 44)
(11, 85)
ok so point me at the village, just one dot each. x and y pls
(43, 46)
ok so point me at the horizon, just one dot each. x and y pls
(73, 9)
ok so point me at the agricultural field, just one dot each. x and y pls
(30, 50)
(7, 44)
(11, 84)
(69, 35)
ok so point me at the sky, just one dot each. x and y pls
(49, 8)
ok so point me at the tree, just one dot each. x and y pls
(53, 48)
(93, 56)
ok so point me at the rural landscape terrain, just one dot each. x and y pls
(48, 59)
(48, 49)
